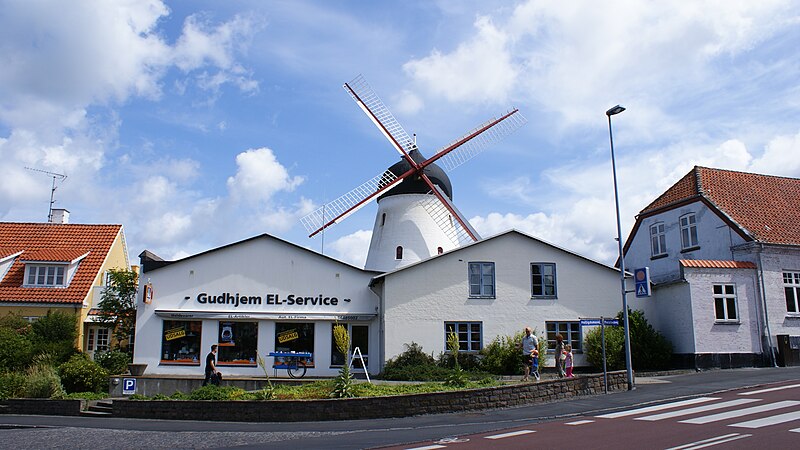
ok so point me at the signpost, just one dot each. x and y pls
(602, 322)
(642, 278)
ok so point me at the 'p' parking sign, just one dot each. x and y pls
(128, 386)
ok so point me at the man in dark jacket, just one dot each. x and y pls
(212, 374)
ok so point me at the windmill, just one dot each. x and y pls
(416, 216)
(55, 176)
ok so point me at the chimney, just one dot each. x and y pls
(59, 215)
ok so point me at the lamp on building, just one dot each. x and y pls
(628, 365)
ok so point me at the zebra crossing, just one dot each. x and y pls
(780, 411)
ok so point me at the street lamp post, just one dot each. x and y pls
(628, 365)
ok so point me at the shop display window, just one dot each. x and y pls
(237, 343)
(294, 337)
(180, 342)
(359, 337)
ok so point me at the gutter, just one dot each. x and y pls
(764, 305)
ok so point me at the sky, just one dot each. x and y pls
(196, 124)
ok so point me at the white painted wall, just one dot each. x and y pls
(420, 298)
(714, 236)
(257, 267)
(774, 261)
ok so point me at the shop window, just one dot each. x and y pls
(470, 335)
(570, 331)
(359, 337)
(481, 279)
(543, 280)
(180, 342)
(658, 239)
(294, 337)
(725, 303)
(688, 231)
(791, 288)
(237, 343)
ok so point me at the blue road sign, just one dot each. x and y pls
(128, 386)
(596, 322)
(642, 279)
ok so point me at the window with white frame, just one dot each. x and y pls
(45, 275)
(791, 288)
(470, 335)
(481, 279)
(543, 280)
(688, 231)
(570, 331)
(658, 239)
(725, 303)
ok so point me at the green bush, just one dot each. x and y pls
(12, 385)
(114, 361)
(650, 350)
(15, 350)
(211, 392)
(42, 381)
(502, 356)
(80, 374)
(55, 333)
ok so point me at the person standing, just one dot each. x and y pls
(568, 360)
(528, 344)
(559, 355)
(212, 374)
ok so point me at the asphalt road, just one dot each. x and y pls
(37, 432)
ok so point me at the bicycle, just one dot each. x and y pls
(293, 362)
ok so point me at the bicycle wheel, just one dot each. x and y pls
(297, 369)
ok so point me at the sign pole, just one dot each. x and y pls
(603, 338)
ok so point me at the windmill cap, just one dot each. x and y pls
(415, 185)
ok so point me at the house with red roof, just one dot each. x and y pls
(60, 267)
(723, 250)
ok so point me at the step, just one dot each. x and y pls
(91, 413)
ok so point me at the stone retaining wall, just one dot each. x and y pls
(43, 406)
(372, 407)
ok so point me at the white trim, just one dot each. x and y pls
(239, 315)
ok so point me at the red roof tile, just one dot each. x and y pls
(52, 254)
(710, 264)
(55, 241)
(6, 252)
(763, 206)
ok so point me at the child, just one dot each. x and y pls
(535, 363)
(568, 360)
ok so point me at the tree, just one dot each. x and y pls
(650, 350)
(118, 304)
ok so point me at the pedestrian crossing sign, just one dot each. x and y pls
(642, 279)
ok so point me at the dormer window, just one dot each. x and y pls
(45, 275)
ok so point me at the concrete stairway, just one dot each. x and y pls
(101, 408)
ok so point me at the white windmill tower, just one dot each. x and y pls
(416, 217)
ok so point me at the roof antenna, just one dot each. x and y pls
(61, 177)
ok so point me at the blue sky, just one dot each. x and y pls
(200, 123)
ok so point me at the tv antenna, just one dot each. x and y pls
(59, 176)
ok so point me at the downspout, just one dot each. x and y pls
(764, 306)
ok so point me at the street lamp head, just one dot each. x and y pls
(615, 110)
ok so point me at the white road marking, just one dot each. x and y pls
(697, 409)
(779, 388)
(742, 412)
(709, 442)
(428, 447)
(796, 430)
(511, 434)
(579, 422)
(767, 421)
(647, 409)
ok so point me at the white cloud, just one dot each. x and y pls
(780, 157)
(480, 70)
(352, 248)
(259, 176)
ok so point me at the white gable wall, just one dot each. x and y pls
(419, 299)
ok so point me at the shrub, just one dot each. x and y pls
(12, 385)
(650, 350)
(413, 365)
(42, 381)
(15, 350)
(80, 374)
(502, 356)
(114, 361)
(343, 383)
(55, 333)
(212, 392)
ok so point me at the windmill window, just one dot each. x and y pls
(481, 280)
(398, 253)
(439, 250)
(383, 219)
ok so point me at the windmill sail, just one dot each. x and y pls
(457, 228)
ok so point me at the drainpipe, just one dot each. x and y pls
(764, 306)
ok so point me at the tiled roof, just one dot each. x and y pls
(55, 242)
(711, 264)
(6, 252)
(763, 206)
